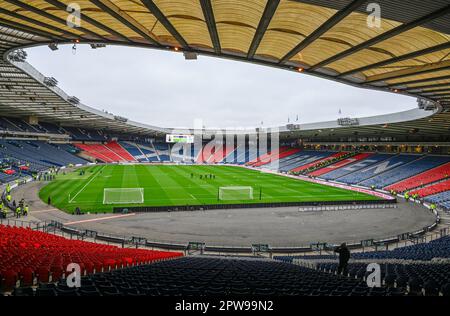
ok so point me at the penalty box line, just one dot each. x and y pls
(84, 187)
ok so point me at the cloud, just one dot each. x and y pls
(161, 88)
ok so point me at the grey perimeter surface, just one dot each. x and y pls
(281, 227)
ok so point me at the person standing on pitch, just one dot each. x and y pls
(344, 256)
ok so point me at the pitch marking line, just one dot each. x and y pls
(99, 219)
(98, 172)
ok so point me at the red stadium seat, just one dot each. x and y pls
(433, 175)
(35, 253)
(433, 189)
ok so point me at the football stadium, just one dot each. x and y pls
(97, 204)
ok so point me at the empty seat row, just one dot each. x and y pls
(26, 255)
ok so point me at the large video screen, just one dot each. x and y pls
(187, 139)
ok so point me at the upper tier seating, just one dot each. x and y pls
(340, 164)
(433, 189)
(422, 164)
(7, 125)
(79, 134)
(432, 175)
(24, 126)
(25, 253)
(373, 170)
(50, 128)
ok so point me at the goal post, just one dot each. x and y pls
(123, 195)
(235, 193)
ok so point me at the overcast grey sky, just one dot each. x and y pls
(163, 89)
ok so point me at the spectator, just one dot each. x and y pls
(344, 256)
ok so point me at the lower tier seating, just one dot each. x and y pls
(442, 199)
(416, 278)
(433, 175)
(193, 276)
(433, 189)
(438, 248)
(109, 152)
(26, 254)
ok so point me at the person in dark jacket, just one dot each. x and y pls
(344, 256)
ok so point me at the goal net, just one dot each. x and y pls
(233, 193)
(123, 196)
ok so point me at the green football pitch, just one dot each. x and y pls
(172, 185)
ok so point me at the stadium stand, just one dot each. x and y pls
(162, 151)
(205, 153)
(275, 157)
(38, 155)
(286, 161)
(314, 163)
(340, 164)
(231, 155)
(50, 128)
(263, 159)
(442, 199)
(95, 151)
(356, 166)
(119, 151)
(194, 276)
(438, 248)
(410, 169)
(398, 278)
(78, 134)
(421, 179)
(134, 150)
(433, 189)
(301, 158)
(109, 152)
(26, 254)
(7, 125)
(149, 151)
(245, 154)
(220, 153)
(373, 170)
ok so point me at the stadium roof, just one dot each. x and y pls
(408, 53)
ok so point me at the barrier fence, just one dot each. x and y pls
(205, 207)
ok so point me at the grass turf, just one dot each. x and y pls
(175, 185)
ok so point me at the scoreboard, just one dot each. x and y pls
(186, 139)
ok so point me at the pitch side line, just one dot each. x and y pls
(98, 172)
